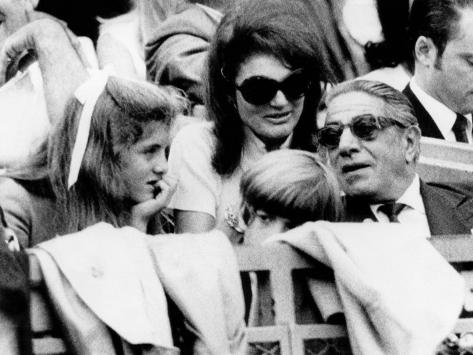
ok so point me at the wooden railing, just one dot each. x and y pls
(447, 151)
(446, 162)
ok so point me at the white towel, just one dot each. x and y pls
(399, 294)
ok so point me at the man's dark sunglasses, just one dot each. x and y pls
(365, 127)
(259, 90)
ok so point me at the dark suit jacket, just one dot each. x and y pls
(426, 123)
(449, 210)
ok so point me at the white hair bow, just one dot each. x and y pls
(87, 94)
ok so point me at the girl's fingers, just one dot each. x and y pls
(142, 212)
(168, 188)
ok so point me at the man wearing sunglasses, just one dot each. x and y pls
(372, 140)
(441, 90)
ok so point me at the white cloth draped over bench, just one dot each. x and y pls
(107, 277)
(399, 295)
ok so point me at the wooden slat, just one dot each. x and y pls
(447, 151)
(442, 161)
(269, 257)
(322, 330)
(48, 346)
(41, 321)
(266, 334)
(437, 170)
(36, 276)
(454, 248)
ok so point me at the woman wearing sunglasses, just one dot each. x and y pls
(263, 82)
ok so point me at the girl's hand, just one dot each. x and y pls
(142, 212)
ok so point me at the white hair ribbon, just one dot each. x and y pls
(87, 94)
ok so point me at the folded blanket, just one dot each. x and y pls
(118, 276)
(200, 274)
(398, 293)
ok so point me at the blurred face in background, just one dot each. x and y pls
(450, 75)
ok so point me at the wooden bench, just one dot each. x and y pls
(289, 325)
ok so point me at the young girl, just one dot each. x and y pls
(105, 159)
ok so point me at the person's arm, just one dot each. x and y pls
(111, 51)
(195, 199)
(193, 222)
(59, 58)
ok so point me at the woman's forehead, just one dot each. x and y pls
(265, 65)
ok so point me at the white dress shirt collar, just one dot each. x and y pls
(411, 197)
(413, 214)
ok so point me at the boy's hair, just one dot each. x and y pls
(292, 184)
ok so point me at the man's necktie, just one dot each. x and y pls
(459, 129)
(392, 210)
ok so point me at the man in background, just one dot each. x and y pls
(441, 90)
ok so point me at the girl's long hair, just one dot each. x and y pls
(122, 113)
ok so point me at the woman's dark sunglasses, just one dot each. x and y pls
(365, 127)
(259, 90)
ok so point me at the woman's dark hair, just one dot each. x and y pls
(393, 16)
(279, 28)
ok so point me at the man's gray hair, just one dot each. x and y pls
(398, 107)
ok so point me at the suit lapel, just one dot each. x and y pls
(448, 212)
(426, 123)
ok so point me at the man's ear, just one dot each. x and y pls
(425, 51)
(412, 144)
